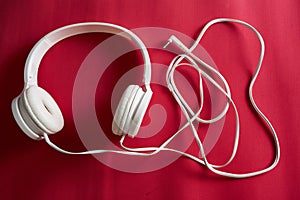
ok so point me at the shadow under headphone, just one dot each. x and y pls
(38, 115)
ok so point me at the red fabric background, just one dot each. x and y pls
(32, 170)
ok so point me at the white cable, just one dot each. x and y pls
(184, 106)
(185, 111)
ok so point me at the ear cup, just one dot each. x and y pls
(133, 107)
(139, 111)
(131, 110)
(42, 109)
(123, 109)
(23, 120)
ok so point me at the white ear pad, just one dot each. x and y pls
(138, 113)
(43, 110)
(133, 107)
(131, 110)
(23, 120)
(123, 109)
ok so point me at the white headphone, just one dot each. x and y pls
(37, 113)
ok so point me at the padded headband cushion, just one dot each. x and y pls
(43, 109)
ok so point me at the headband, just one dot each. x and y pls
(44, 44)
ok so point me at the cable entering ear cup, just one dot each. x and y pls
(131, 110)
(43, 110)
